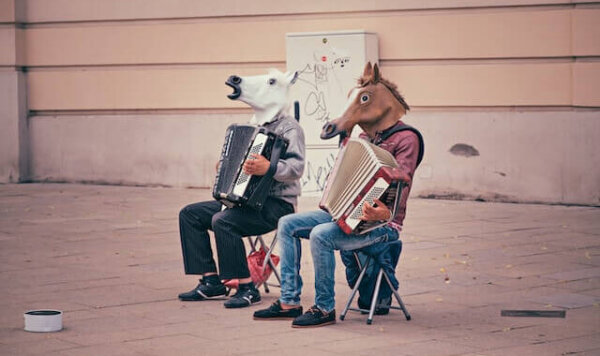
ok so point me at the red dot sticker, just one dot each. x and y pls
(324, 58)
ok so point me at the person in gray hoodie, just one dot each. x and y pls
(230, 225)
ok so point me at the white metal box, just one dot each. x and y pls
(329, 64)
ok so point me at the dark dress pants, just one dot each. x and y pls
(229, 226)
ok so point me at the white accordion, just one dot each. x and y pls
(362, 173)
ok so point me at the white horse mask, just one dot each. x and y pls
(266, 94)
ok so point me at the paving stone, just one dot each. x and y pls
(36, 346)
(584, 286)
(568, 300)
(421, 245)
(112, 349)
(109, 257)
(428, 347)
(381, 337)
(479, 340)
(585, 345)
(519, 282)
(575, 275)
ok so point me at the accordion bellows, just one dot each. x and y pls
(232, 186)
(362, 173)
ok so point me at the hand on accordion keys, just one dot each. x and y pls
(256, 165)
(375, 213)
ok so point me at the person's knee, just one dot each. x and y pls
(184, 213)
(319, 238)
(284, 226)
(218, 222)
(287, 226)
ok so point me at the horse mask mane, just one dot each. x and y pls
(377, 78)
(268, 94)
(374, 104)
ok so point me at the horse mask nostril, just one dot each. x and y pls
(329, 128)
(235, 79)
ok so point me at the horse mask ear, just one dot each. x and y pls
(376, 74)
(292, 77)
(368, 70)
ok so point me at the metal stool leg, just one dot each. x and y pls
(275, 273)
(253, 244)
(355, 289)
(269, 261)
(402, 307)
(259, 238)
(269, 250)
(357, 260)
(375, 295)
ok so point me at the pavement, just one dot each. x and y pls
(109, 257)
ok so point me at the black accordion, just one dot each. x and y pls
(232, 186)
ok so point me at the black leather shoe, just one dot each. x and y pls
(314, 317)
(204, 290)
(275, 312)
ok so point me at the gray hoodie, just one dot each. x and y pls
(291, 165)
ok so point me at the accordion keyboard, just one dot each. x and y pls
(243, 179)
(375, 192)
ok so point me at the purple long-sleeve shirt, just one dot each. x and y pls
(404, 146)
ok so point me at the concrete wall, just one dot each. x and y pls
(513, 156)
(166, 149)
(132, 91)
(14, 144)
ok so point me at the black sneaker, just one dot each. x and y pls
(314, 317)
(244, 297)
(275, 312)
(204, 290)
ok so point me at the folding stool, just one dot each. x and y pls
(256, 242)
(380, 275)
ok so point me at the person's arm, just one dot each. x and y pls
(406, 154)
(256, 165)
(375, 213)
(291, 166)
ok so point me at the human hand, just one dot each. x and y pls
(257, 165)
(375, 213)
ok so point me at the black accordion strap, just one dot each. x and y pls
(264, 185)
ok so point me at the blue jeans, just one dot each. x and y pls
(325, 237)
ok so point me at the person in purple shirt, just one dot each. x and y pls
(376, 106)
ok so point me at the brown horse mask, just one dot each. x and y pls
(374, 105)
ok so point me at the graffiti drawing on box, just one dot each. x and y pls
(316, 173)
(322, 84)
